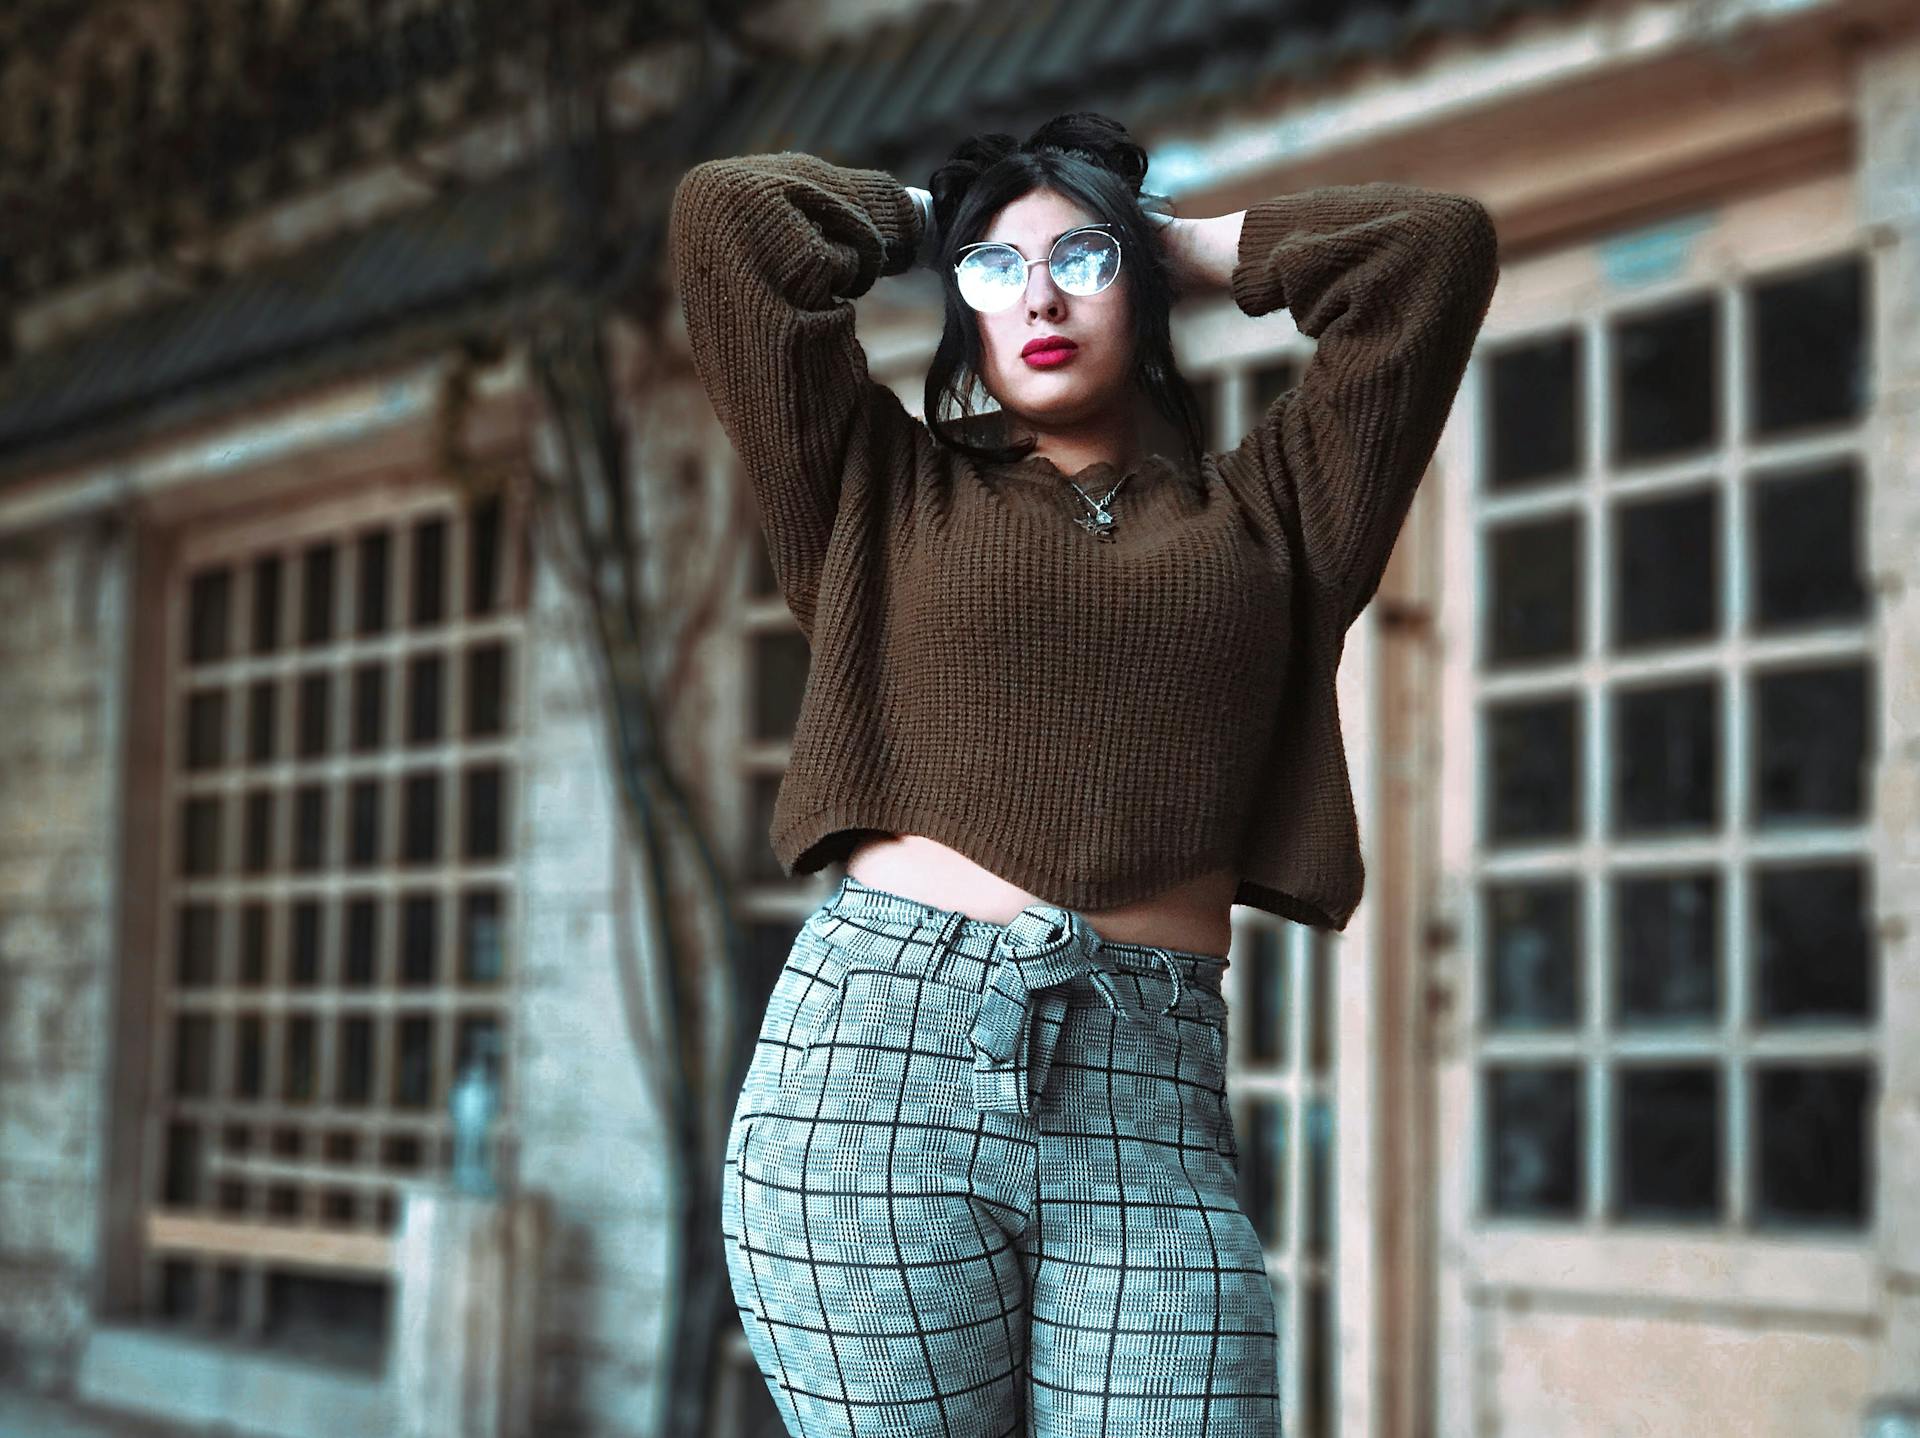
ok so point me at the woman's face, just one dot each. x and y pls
(1097, 376)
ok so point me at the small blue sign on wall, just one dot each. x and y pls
(1654, 252)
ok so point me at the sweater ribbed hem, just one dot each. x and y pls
(812, 842)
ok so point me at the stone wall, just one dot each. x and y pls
(62, 641)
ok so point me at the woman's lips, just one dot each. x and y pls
(1052, 357)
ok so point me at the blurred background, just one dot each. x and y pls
(395, 693)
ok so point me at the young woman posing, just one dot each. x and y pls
(1068, 701)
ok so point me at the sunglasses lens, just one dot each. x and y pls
(1086, 262)
(994, 276)
(991, 277)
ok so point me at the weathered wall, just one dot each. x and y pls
(62, 638)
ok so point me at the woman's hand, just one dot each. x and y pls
(1201, 253)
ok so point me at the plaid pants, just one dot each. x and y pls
(980, 1183)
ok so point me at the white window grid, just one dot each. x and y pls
(254, 1242)
(1596, 858)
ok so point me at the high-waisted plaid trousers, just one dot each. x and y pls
(980, 1183)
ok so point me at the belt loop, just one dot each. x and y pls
(945, 942)
(1173, 972)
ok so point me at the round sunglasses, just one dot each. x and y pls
(993, 274)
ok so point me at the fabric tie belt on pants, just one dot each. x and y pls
(1039, 951)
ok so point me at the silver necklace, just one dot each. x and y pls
(1099, 523)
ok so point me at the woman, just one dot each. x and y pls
(1068, 701)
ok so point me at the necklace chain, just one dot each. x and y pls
(1099, 523)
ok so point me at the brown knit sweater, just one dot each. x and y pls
(1092, 721)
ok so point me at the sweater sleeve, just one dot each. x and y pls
(1393, 281)
(768, 253)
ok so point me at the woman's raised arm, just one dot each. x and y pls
(768, 252)
(1393, 281)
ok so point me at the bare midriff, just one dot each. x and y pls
(1193, 915)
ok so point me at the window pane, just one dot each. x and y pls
(419, 939)
(256, 853)
(197, 964)
(363, 823)
(354, 1084)
(1534, 1150)
(482, 957)
(420, 838)
(1320, 1021)
(482, 817)
(429, 571)
(1533, 770)
(478, 1038)
(1814, 1136)
(360, 943)
(759, 862)
(1810, 744)
(1265, 984)
(413, 1072)
(1666, 747)
(316, 700)
(779, 677)
(1809, 363)
(267, 579)
(369, 707)
(486, 690)
(1321, 1218)
(206, 729)
(1666, 390)
(1534, 394)
(1813, 945)
(1535, 583)
(768, 945)
(1666, 955)
(375, 557)
(200, 836)
(1806, 535)
(1666, 569)
(316, 601)
(254, 957)
(249, 1058)
(263, 709)
(209, 615)
(193, 1056)
(1534, 955)
(425, 698)
(298, 1074)
(1264, 1152)
(309, 827)
(304, 951)
(1667, 1154)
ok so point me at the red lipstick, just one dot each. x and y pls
(1048, 351)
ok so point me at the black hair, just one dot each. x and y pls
(1089, 159)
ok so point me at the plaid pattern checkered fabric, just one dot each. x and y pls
(980, 1183)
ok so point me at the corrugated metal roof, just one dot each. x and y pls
(894, 97)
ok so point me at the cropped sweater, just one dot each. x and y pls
(1093, 721)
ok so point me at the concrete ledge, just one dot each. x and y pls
(187, 1380)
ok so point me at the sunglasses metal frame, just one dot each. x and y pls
(1103, 227)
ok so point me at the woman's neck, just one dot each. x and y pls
(1112, 438)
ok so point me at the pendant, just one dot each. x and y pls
(1100, 526)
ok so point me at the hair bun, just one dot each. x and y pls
(1087, 133)
(1104, 141)
(971, 158)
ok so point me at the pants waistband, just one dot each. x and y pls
(959, 933)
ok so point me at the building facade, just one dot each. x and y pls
(1603, 1114)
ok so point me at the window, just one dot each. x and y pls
(1283, 1012)
(1674, 695)
(335, 902)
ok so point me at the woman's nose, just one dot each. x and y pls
(1043, 296)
